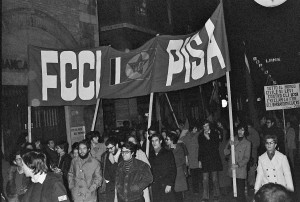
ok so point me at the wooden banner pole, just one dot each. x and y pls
(231, 134)
(158, 116)
(149, 123)
(284, 126)
(95, 114)
(172, 110)
(202, 101)
(29, 124)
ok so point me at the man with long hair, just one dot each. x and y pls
(84, 175)
(46, 186)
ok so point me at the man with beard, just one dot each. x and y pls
(110, 160)
(84, 175)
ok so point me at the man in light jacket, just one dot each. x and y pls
(84, 175)
(242, 148)
(273, 166)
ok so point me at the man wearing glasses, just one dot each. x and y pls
(110, 160)
(132, 176)
(273, 166)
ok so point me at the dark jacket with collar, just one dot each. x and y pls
(163, 167)
(209, 152)
(64, 164)
(52, 190)
(11, 188)
(130, 185)
(109, 169)
(52, 156)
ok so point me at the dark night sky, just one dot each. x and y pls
(267, 33)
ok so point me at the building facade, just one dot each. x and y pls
(50, 24)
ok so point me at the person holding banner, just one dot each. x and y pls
(242, 148)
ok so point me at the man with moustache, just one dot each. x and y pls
(84, 175)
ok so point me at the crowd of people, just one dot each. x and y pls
(115, 167)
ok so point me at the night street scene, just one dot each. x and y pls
(150, 101)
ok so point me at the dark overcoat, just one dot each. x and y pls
(164, 173)
(209, 152)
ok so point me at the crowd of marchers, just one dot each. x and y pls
(114, 166)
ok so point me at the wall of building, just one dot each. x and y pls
(67, 24)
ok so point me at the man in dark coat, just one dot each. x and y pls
(132, 176)
(110, 161)
(46, 186)
(163, 169)
(52, 156)
(209, 159)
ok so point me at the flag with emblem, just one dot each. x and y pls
(131, 67)
(128, 74)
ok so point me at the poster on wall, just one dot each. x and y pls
(285, 96)
(77, 134)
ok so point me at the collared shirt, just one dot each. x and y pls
(206, 134)
(116, 156)
(39, 178)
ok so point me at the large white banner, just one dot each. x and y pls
(285, 96)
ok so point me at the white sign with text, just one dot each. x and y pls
(285, 96)
(77, 134)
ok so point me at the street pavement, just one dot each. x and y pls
(190, 197)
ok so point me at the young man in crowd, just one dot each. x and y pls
(253, 137)
(52, 156)
(18, 183)
(242, 149)
(209, 159)
(97, 145)
(110, 160)
(84, 175)
(191, 142)
(64, 163)
(46, 186)
(163, 169)
(132, 176)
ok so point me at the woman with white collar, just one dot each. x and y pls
(273, 166)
